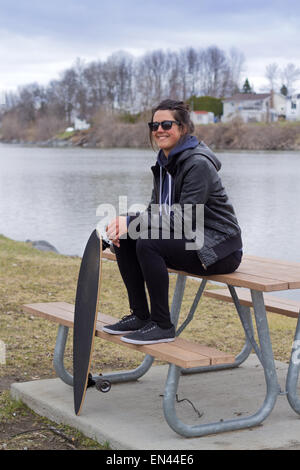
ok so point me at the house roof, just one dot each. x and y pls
(248, 96)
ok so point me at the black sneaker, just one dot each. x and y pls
(150, 334)
(127, 324)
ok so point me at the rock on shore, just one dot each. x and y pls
(42, 245)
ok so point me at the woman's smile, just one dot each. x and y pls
(166, 140)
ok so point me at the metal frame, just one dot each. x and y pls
(245, 314)
(293, 371)
(263, 351)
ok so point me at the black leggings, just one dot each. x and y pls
(147, 261)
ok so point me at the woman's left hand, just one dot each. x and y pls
(116, 228)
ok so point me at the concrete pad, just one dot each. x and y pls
(130, 416)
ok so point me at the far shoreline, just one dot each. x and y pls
(229, 136)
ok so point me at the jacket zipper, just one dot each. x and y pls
(157, 194)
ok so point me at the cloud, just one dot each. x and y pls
(40, 39)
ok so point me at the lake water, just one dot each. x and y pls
(52, 194)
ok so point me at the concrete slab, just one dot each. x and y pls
(130, 416)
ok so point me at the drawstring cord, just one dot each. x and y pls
(160, 192)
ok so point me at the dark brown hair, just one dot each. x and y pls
(181, 113)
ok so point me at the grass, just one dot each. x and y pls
(65, 135)
(24, 429)
(28, 275)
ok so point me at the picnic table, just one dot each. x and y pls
(246, 289)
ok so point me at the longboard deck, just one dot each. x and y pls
(85, 317)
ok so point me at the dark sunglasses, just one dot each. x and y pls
(166, 125)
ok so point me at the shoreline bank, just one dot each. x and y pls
(235, 135)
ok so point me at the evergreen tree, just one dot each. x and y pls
(284, 90)
(246, 87)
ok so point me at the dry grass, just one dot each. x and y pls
(28, 275)
(237, 135)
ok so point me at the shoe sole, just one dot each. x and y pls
(134, 341)
(114, 332)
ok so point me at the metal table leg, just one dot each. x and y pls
(177, 298)
(59, 352)
(293, 372)
(239, 359)
(239, 423)
(245, 316)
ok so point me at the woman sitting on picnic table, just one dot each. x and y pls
(185, 175)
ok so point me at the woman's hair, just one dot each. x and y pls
(181, 113)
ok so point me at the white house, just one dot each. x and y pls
(81, 124)
(2, 100)
(254, 107)
(293, 108)
(202, 117)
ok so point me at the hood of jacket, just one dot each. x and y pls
(189, 142)
(182, 151)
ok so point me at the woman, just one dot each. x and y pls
(186, 174)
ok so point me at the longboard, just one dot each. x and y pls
(86, 311)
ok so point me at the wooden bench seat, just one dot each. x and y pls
(181, 352)
(289, 308)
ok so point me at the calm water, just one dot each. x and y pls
(53, 194)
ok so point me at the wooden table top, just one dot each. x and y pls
(262, 274)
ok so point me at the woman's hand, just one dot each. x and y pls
(116, 228)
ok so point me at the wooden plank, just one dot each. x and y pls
(256, 282)
(278, 262)
(216, 356)
(63, 311)
(241, 278)
(168, 352)
(51, 312)
(290, 270)
(279, 271)
(273, 304)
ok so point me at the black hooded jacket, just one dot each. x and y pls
(195, 181)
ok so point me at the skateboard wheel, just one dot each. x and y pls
(103, 385)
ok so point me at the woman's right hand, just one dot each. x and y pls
(116, 228)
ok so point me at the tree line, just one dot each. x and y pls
(130, 84)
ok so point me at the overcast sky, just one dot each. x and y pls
(40, 38)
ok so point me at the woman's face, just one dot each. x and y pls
(166, 140)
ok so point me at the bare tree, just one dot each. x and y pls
(174, 77)
(236, 61)
(289, 75)
(150, 76)
(95, 88)
(123, 69)
(215, 73)
(272, 74)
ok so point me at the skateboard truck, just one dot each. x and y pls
(101, 384)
